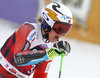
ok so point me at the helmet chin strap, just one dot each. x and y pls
(45, 28)
(45, 35)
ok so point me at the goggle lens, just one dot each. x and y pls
(61, 28)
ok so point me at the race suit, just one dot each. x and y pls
(27, 38)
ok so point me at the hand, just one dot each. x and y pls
(59, 48)
(52, 53)
(63, 47)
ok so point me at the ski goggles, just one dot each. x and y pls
(61, 27)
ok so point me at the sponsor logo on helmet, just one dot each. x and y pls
(45, 16)
(52, 14)
(55, 8)
(66, 17)
(69, 21)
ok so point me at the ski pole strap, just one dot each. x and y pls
(62, 55)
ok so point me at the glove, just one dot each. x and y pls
(52, 53)
(63, 47)
(59, 48)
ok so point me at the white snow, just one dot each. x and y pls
(82, 62)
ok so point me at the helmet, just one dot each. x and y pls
(57, 16)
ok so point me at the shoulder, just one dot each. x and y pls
(26, 30)
(35, 25)
(27, 27)
(33, 33)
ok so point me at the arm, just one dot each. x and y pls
(31, 57)
(34, 57)
(23, 55)
(21, 43)
(64, 48)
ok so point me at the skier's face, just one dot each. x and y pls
(58, 30)
(53, 36)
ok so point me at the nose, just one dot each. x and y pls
(58, 36)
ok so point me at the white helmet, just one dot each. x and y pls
(56, 12)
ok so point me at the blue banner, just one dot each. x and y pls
(19, 11)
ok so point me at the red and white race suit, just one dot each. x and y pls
(27, 37)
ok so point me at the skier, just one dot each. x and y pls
(32, 47)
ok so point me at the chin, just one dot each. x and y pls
(52, 41)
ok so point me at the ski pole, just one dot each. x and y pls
(61, 62)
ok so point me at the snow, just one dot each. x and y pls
(82, 62)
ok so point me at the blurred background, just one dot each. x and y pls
(84, 37)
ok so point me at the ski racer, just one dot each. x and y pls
(33, 46)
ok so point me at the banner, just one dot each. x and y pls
(19, 11)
